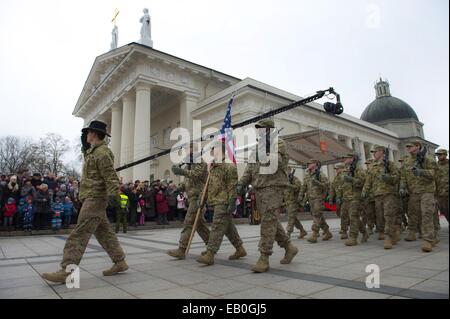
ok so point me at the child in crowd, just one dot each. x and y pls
(28, 214)
(68, 212)
(140, 209)
(9, 211)
(58, 209)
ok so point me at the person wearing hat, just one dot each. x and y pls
(442, 182)
(350, 194)
(368, 212)
(334, 189)
(382, 181)
(269, 179)
(221, 197)
(293, 207)
(418, 179)
(315, 187)
(99, 186)
(194, 181)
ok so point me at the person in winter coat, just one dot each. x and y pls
(162, 208)
(42, 207)
(57, 209)
(27, 212)
(68, 212)
(10, 210)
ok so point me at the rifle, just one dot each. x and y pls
(420, 158)
(386, 161)
(353, 165)
(317, 172)
(291, 175)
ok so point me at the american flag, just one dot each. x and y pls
(226, 133)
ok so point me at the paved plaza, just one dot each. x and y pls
(322, 270)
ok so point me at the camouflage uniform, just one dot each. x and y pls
(268, 188)
(350, 192)
(403, 203)
(334, 190)
(98, 180)
(195, 178)
(293, 206)
(442, 184)
(384, 188)
(315, 190)
(369, 213)
(221, 194)
(421, 189)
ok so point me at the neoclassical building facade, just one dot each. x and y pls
(142, 94)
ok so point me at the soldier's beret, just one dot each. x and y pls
(265, 123)
(441, 152)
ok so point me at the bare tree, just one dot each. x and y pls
(55, 147)
(16, 154)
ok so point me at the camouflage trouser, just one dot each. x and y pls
(403, 210)
(422, 211)
(269, 202)
(443, 205)
(318, 219)
(121, 218)
(222, 225)
(369, 216)
(92, 220)
(293, 220)
(202, 229)
(387, 213)
(353, 207)
(345, 218)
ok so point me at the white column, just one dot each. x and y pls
(116, 132)
(127, 140)
(362, 154)
(324, 171)
(187, 104)
(142, 131)
(370, 146)
(348, 142)
(391, 154)
(331, 172)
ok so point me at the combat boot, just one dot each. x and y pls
(396, 237)
(427, 246)
(207, 259)
(262, 265)
(344, 235)
(381, 236)
(302, 234)
(240, 252)
(313, 238)
(291, 251)
(352, 241)
(327, 235)
(388, 243)
(58, 276)
(179, 253)
(411, 236)
(116, 268)
(365, 236)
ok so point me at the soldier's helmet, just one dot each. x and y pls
(441, 152)
(268, 123)
(376, 148)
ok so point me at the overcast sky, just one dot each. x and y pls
(48, 47)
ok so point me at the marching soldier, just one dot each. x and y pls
(381, 180)
(442, 182)
(99, 185)
(334, 190)
(418, 179)
(369, 207)
(195, 177)
(293, 207)
(315, 187)
(403, 201)
(268, 187)
(350, 193)
(222, 199)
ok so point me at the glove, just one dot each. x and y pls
(177, 170)
(231, 205)
(338, 201)
(402, 192)
(240, 190)
(114, 201)
(84, 143)
(348, 179)
(364, 195)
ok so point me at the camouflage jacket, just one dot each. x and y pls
(292, 191)
(195, 179)
(222, 184)
(376, 185)
(252, 174)
(418, 184)
(313, 189)
(99, 178)
(335, 186)
(352, 190)
(442, 178)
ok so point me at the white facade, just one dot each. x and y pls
(142, 94)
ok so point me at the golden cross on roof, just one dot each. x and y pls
(116, 13)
